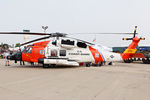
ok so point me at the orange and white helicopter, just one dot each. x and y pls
(66, 51)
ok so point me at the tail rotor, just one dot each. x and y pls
(134, 35)
(135, 32)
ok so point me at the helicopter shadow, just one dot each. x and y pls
(41, 67)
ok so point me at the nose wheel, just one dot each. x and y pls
(88, 64)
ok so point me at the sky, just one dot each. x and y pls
(76, 16)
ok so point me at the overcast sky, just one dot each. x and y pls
(71, 16)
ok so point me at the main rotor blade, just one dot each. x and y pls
(24, 33)
(58, 34)
(35, 40)
(105, 33)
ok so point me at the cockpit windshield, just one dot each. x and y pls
(28, 50)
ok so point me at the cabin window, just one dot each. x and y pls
(53, 53)
(67, 42)
(28, 50)
(62, 52)
(81, 45)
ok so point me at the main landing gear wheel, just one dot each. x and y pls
(45, 65)
(110, 63)
(88, 64)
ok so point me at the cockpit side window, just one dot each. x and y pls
(81, 45)
(28, 50)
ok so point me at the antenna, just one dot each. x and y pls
(44, 28)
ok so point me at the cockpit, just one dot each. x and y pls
(28, 50)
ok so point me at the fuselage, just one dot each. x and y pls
(72, 52)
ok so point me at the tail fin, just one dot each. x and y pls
(132, 47)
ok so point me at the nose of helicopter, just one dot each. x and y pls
(17, 56)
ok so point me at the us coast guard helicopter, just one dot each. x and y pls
(67, 51)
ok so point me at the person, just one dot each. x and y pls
(6, 54)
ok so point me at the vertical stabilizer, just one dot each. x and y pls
(128, 53)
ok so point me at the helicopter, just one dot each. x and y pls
(67, 51)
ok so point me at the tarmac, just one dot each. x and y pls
(118, 82)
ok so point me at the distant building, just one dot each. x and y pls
(139, 49)
(145, 50)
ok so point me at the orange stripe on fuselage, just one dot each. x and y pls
(96, 55)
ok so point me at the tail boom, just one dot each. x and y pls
(128, 53)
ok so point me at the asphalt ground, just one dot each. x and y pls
(118, 82)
